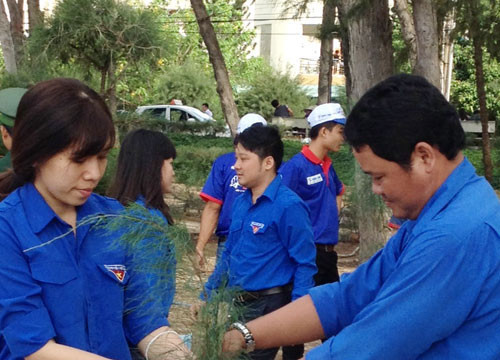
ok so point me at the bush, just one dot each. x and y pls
(266, 85)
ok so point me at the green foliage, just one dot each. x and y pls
(463, 87)
(401, 49)
(268, 84)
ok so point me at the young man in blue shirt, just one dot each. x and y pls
(219, 192)
(270, 252)
(310, 175)
(433, 292)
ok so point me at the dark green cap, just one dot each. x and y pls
(9, 100)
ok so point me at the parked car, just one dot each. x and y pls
(174, 113)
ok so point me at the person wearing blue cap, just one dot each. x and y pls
(219, 192)
(9, 100)
(433, 291)
(311, 175)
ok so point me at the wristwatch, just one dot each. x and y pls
(247, 335)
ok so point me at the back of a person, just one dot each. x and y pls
(281, 111)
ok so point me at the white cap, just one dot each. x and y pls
(326, 112)
(248, 120)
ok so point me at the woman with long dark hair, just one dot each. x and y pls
(65, 291)
(144, 174)
(144, 171)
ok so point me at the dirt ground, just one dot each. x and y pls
(188, 286)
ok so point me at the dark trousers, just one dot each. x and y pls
(265, 305)
(326, 261)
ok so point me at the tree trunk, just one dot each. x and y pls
(425, 20)
(325, 59)
(224, 89)
(447, 53)
(407, 29)
(8, 50)
(483, 111)
(369, 61)
(35, 15)
(16, 27)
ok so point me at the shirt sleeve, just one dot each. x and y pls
(339, 186)
(289, 176)
(220, 272)
(25, 322)
(213, 190)
(151, 287)
(298, 238)
(388, 307)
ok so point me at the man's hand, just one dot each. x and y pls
(200, 259)
(233, 342)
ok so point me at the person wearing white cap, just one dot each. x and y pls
(219, 192)
(311, 175)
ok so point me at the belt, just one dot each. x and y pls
(326, 247)
(254, 295)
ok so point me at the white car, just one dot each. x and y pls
(174, 113)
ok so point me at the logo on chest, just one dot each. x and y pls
(118, 270)
(256, 226)
(311, 180)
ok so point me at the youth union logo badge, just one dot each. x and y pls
(118, 270)
(256, 226)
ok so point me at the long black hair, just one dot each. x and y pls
(52, 116)
(139, 166)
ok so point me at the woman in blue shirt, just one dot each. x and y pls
(65, 292)
(144, 174)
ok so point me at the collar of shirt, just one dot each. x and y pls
(41, 214)
(452, 185)
(270, 192)
(325, 163)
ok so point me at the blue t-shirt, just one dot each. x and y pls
(76, 289)
(316, 182)
(270, 244)
(222, 187)
(433, 292)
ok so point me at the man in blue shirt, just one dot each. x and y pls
(219, 192)
(270, 250)
(433, 292)
(310, 175)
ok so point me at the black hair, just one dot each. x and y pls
(399, 112)
(52, 116)
(275, 103)
(314, 132)
(139, 167)
(205, 104)
(262, 140)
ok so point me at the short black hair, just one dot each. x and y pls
(264, 141)
(314, 132)
(399, 112)
(205, 104)
(275, 103)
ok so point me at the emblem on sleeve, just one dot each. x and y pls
(256, 226)
(118, 270)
